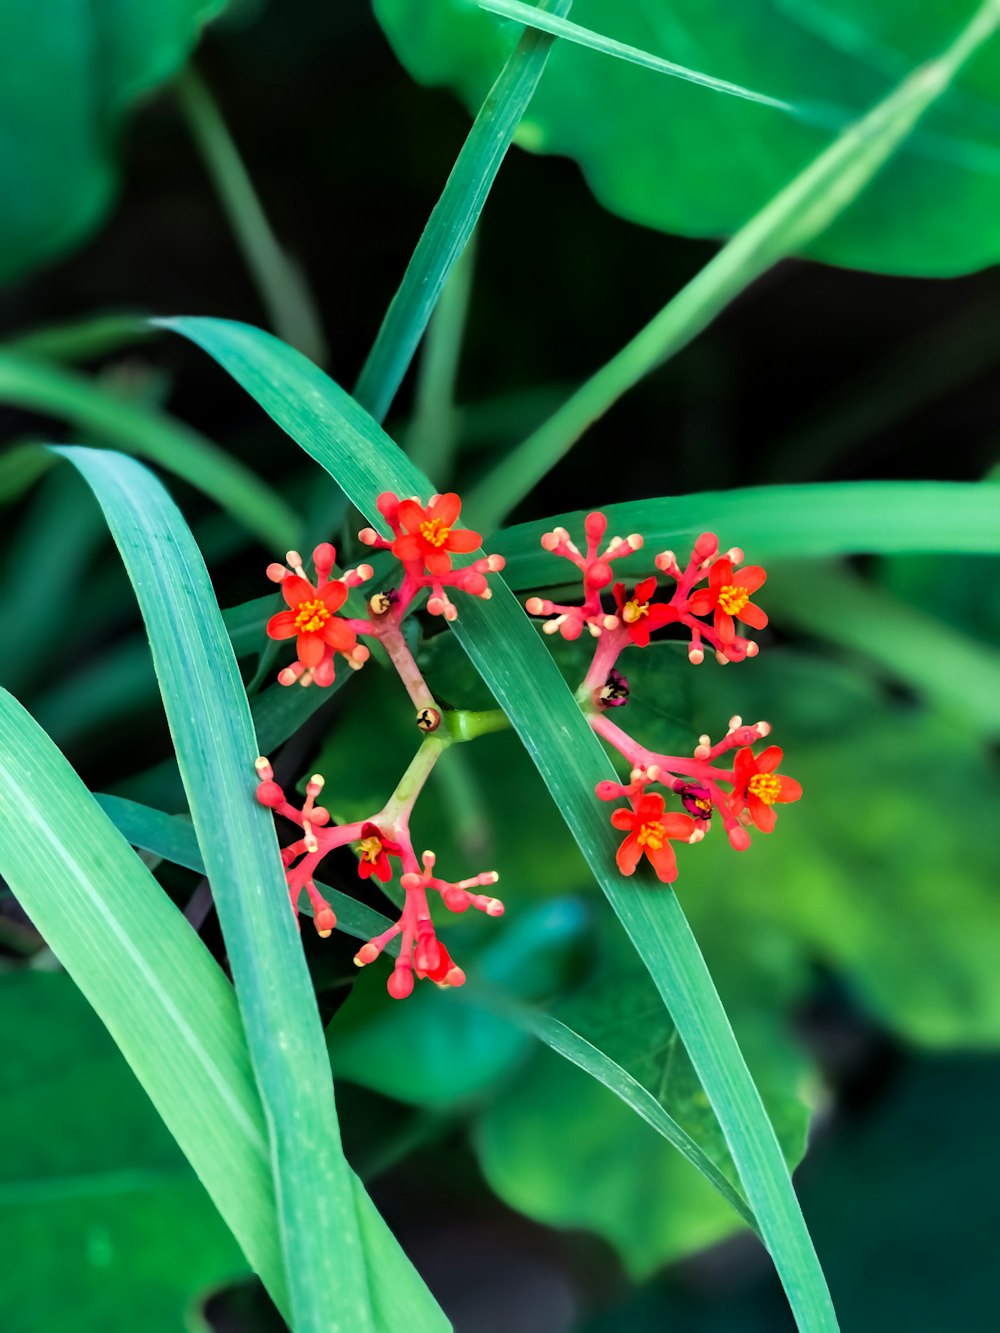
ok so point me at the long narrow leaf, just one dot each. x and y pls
(166, 1003)
(504, 647)
(210, 723)
(795, 216)
(56, 392)
(453, 219)
(821, 519)
(535, 17)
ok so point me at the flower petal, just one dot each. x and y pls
(678, 826)
(365, 869)
(408, 548)
(623, 819)
(790, 790)
(660, 614)
(629, 854)
(768, 760)
(310, 649)
(752, 577)
(763, 815)
(725, 626)
(719, 575)
(701, 602)
(664, 862)
(338, 635)
(638, 632)
(447, 508)
(437, 562)
(296, 590)
(282, 626)
(619, 594)
(645, 589)
(744, 767)
(463, 540)
(649, 807)
(753, 615)
(411, 515)
(333, 595)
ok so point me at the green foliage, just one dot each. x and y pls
(67, 79)
(671, 155)
(100, 1215)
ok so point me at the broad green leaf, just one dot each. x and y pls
(820, 519)
(204, 698)
(68, 76)
(168, 1006)
(100, 1215)
(331, 426)
(667, 154)
(39, 386)
(787, 224)
(454, 216)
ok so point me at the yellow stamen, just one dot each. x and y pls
(434, 532)
(633, 611)
(652, 836)
(370, 849)
(311, 616)
(702, 804)
(765, 786)
(733, 598)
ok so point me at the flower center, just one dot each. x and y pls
(434, 532)
(733, 598)
(651, 836)
(311, 616)
(370, 849)
(633, 611)
(765, 786)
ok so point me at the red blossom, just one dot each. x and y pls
(429, 535)
(310, 619)
(638, 614)
(728, 595)
(649, 834)
(375, 849)
(757, 787)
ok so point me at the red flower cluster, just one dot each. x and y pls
(311, 620)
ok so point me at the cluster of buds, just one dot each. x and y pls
(379, 841)
(637, 615)
(424, 540)
(311, 619)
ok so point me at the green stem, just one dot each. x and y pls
(286, 297)
(396, 811)
(467, 724)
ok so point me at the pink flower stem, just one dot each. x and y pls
(669, 764)
(609, 649)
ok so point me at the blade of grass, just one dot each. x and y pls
(433, 432)
(793, 218)
(819, 519)
(284, 292)
(150, 979)
(534, 17)
(53, 391)
(81, 339)
(500, 641)
(209, 720)
(452, 220)
(166, 1003)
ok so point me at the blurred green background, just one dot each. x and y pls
(856, 949)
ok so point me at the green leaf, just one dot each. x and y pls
(66, 83)
(799, 213)
(453, 218)
(667, 154)
(204, 698)
(99, 1212)
(331, 426)
(39, 386)
(821, 519)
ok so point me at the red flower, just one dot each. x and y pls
(756, 786)
(649, 832)
(375, 849)
(728, 595)
(430, 534)
(640, 616)
(311, 619)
